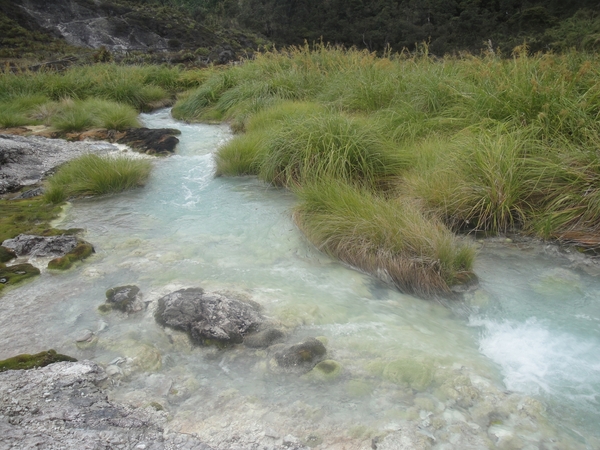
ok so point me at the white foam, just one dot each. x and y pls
(535, 359)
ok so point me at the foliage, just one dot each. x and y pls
(96, 175)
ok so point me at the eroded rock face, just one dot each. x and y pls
(25, 161)
(31, 245)
(209, 318)
(61, 406)
(88, 24)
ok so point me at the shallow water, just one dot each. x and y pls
(513, 365)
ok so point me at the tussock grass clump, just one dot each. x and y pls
(391, 239)
(96, 175)
(329, 145)
(479, 180)
(292, 143)
(69, 115)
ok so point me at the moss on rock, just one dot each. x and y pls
(25, 361)
(6, 254)
(11, 275)
(79, 253)
(327, 370)
(414, 373)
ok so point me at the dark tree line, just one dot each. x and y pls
(447, 25)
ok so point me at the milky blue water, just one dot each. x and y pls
(531, 332)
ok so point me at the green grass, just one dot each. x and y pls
(469, 143)
(79, 115)
(28, 216)
(103, 95)
(96, 175)
(390, 238)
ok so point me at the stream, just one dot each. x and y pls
(515, 364)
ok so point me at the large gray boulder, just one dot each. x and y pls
(42, 246)
(209, 318)
(62, 406)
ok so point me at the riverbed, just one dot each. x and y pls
(512, 364)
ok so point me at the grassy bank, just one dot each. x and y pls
(103, 95)
(389, 155)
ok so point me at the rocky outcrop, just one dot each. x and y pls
(42, 246)
(25, 161)
(62, 406)
(88, 24)
(209, 318)
(65, 249)
(123, 298)
(120, 27)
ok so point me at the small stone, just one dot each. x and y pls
(84, 336)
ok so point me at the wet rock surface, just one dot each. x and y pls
(298, 358)
(25, 161)
(62, 406)
(158, 141)
(209, 317)
(41, 246)
(124, 298)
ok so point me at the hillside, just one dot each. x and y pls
(203, 31)
(134, 31)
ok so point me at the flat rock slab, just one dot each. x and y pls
(209, 318)
(26, 160)
(61, 406)
(31, 245)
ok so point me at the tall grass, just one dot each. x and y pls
(69, 115)
(131, 88)
(96, 175)
(390, 238)
(476, 144)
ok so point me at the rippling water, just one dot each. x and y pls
(514, 365)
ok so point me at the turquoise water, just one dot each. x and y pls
(513, 365)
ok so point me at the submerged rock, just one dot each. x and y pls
(328, 370)
(264, 338)
(298, 358)
(25, 361)
(209, 318)
(62, 406)
(124, 298)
